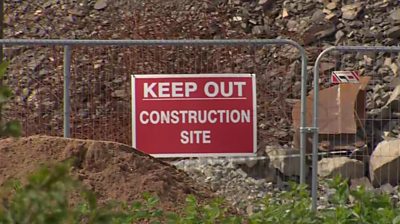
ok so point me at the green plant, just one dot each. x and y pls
(339, 213)
(142, 212)
(42, 200)
(359, 206)
(7, 128)
(45, 198)
(292, 206)
(214, 212)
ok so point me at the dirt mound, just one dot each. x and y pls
(112, 170)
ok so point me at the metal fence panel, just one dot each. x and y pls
(92, 95)
(371, 115)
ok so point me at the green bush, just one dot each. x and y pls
(45, 198)
(286, 207)
(7, 128)
(359, 206)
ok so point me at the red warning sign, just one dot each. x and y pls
(338, 77)
(194, 115)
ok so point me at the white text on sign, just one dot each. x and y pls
(185, 89)
(196, 137)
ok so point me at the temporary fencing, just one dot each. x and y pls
(80, 88)
(356, 112)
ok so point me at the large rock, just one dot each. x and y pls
(395, 15)
(100, 4)
(393, 32)
(344, 166)
(286, 160)
(384, 164)
(351, 12)
(317, 31)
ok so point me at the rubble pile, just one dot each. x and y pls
(314, 24)
(100, 108)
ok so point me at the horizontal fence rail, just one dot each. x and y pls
(199, 42)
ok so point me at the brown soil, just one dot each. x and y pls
(112, 170)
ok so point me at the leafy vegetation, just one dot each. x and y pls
(287, 207)
(46, 198)
(7, 128)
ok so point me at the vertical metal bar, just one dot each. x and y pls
(314, 168)
(67, 76)
(1, 29)
(314, 187)
(315, 138)
(303, 115)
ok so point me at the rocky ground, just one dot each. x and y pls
(242, 182)
(314, 24)
(104, 104)
(100, 87)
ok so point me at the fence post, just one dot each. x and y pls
(67, 76)
(303, 115)
(314, 184)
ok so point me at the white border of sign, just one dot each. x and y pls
(176, 155)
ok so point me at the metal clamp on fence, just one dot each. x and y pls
(309, 129)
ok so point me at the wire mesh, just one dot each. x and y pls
(100, 87)
(101, 99)
(364, 154)
(35, 77)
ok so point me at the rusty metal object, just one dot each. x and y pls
(342, 115)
